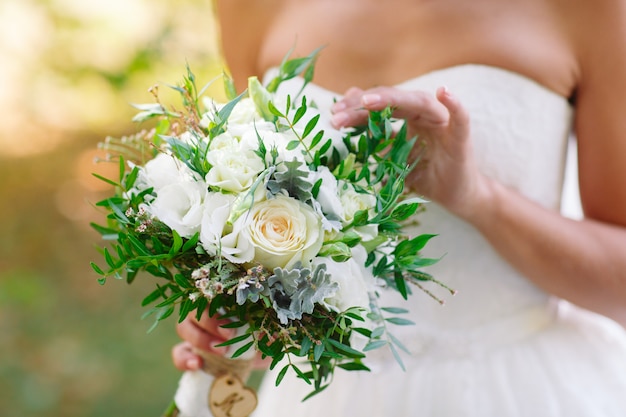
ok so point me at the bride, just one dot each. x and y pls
(493, 88)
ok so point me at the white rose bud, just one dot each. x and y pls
(353, 202)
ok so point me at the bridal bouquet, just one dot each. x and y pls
(251, 211)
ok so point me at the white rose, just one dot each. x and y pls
(283, 231)
(355, 281)
(217, 237)
(179, 206)
(233, 171)
(163, 170)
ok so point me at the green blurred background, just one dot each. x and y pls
(68, 71)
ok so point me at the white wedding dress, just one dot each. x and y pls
(501, 347)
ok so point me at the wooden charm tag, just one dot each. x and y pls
(228, 397)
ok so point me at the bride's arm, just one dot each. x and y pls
(582, 261)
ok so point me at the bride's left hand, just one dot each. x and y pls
(447, 172)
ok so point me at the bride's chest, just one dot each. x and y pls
(371, 42)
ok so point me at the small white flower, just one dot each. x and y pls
(180, 206)
(224, 142)
(244, 113)
(163, 170)
(355, 281)
(328, 195)
(217, 236)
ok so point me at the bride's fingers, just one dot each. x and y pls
(459, 123)
(419, 108)
(184, 358)
(213, 325)
(349, 110)
(351, 99)
(203, 337)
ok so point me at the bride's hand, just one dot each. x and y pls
(447, 172)
(201, 334)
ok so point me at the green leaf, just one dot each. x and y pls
(305, 346)
(106, 232)
(97, 269)
(300, 112)
(272, 108)
(109, 259)
(365, 332)
(122, 168)
(293, 145)
(242, 350)
(131, 178)
(326, 146)
(139, 246)
(119, 214)
(399, 321)
(377, 332)
(360, 218)
(191, 243)
(234, 340)
(177, 243)
(310, 125)
(404, 211)
(317, 391)
(281, 374)
(301, 374)
(351, 352)
(397, 357)
(376, 344)
(229, 87)
(400, 284)
(354, 366)
(318, 350)
(185, 307)
(153, 296)
(170, 300)
(108, 181)
(182, 281)
(397, 342)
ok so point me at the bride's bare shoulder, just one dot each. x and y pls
(242, 26)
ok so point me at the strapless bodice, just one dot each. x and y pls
(520, 131)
